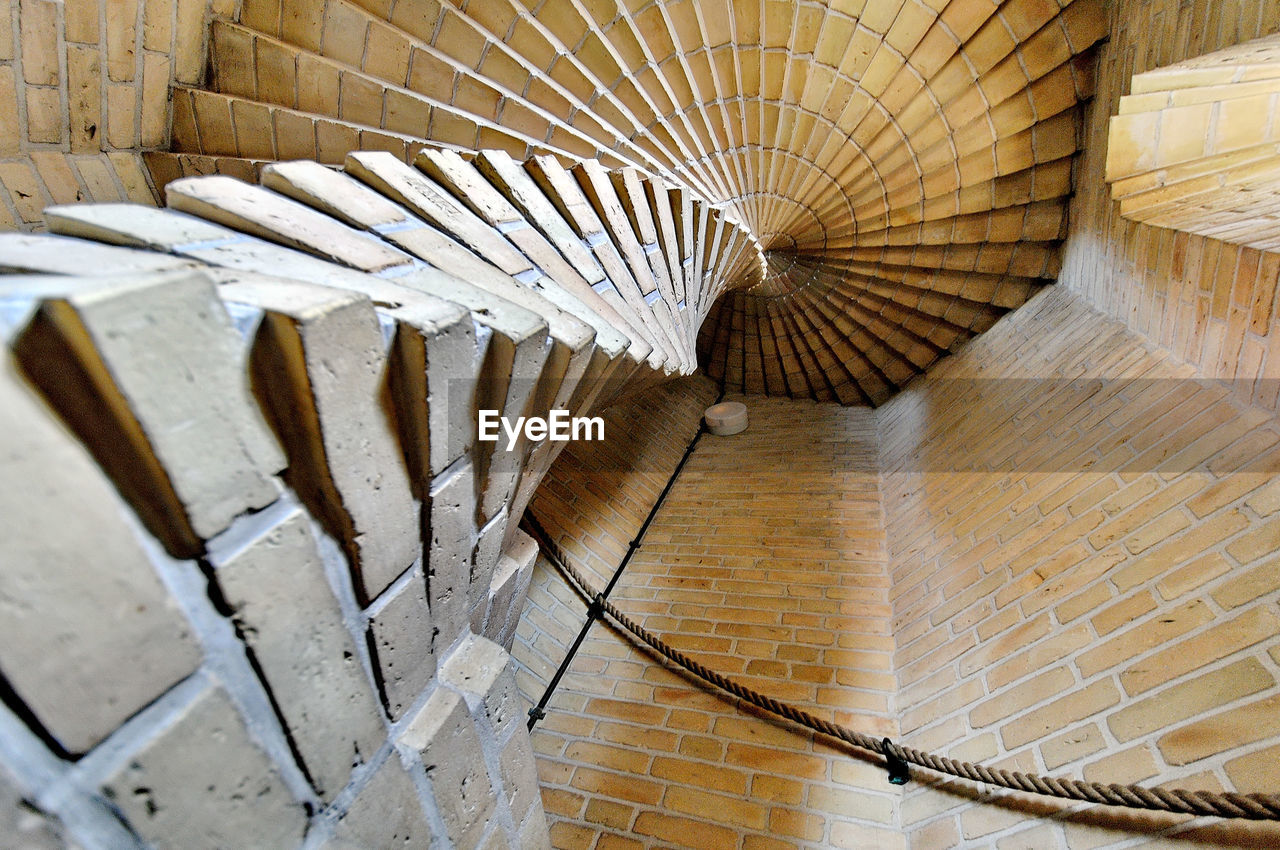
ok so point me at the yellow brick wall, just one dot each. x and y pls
(84, 87)
(595, 521)
(767, 563)
(1210, 302)
(592, 502)
(1082, 544)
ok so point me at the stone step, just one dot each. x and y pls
(428, 324)
(43, 254)
(181, 434)
(268, 215)
(509, 178)
(559, 281)
(108, 668)
(594, 181)
(320, 362)
(415, 296)
(567, 195)
(572, 340)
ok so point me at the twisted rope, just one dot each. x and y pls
(1217, 804)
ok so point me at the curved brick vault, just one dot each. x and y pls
(904, 165)
(285, 383)
(536, 208)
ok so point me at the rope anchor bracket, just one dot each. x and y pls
(595, 611)
(899, 770)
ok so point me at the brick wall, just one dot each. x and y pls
(1210, 302)
(242, 606)
(1082, 548)
(258, 420)
(593, 501)
(766, 562)
(597, 494)
(84, 88)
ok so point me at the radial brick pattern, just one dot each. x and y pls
(282, 381)
(904, 165)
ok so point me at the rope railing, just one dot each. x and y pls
(1212, 803)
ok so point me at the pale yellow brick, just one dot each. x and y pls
(122, 115)
(1248, 585)
(98, 178)
(1122, 613)
(81, 22)
(24, 189)
(157, 27)
(39, 26)
(122, 26)
(58, 178)
(942, 834)
(1263, 539)
(1203, 693)
(978, 821)
(84, 97)
(7, 221)
(1040, 837)
(1253, 772)
(1068, 709)
(1267, 500)
(1071, 746)
(1256, 624)
(1125, 767)
(129, 171)
(188, 41)
(1152, 632)
(154, 100)
(1193, 575)
(1238, 726)
(45, 117)
(1041, 687)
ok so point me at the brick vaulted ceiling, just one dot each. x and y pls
(905, 165)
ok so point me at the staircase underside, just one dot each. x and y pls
(903, 168)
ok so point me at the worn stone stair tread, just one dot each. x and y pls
(116, 667)
(210, 443)
(133, 226)
(568, 197)
(360, 206)
(509, 177)
(46, 254)
(279, 219)
(571, 292)
(324, 394)
(415, 191)
(329, 191)
(594, 180)
(515, 357)
(643, 242)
